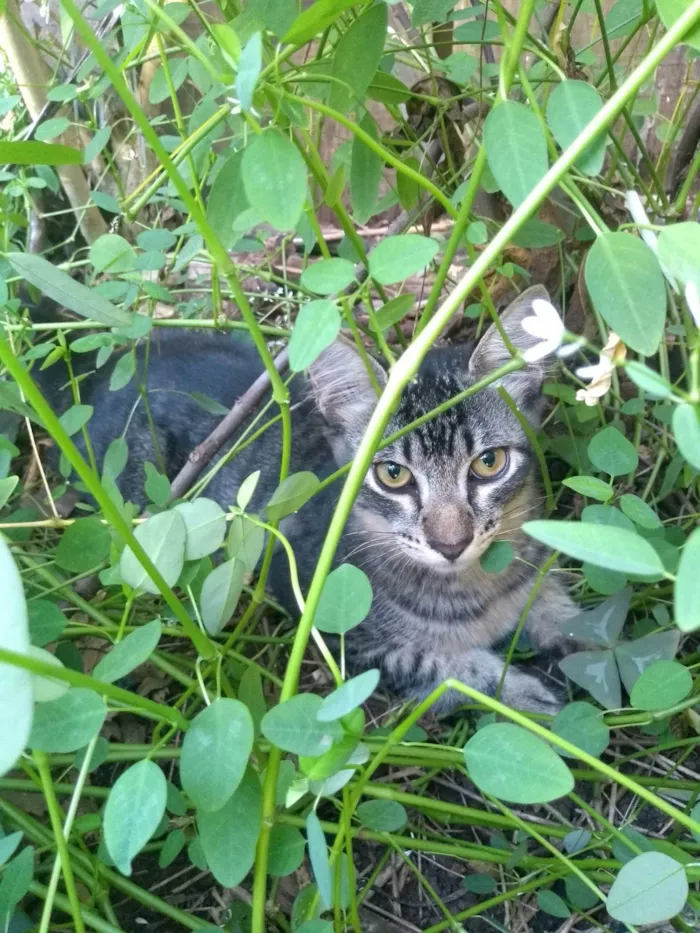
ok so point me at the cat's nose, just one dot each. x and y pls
(450, 549)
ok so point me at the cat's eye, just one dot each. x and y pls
(490, 463)
(392, 475)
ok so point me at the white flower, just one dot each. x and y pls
(600, 374)
(547, 326)
(693, 301)
(636, 210)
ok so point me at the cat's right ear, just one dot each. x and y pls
(342, 387)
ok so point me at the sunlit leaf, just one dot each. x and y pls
(512, 764)
(274, 175)
(30, 152)
(163, 539)
(395, 258)
(345, 600)
(349, 696)
(611, 452)
(650, 888)
(215, 753)
(614, 549)
(69, 722)
(356, 58)
(582, 725)
(16, 700)
(686, 432)
(626, 285)
(516, 149)
(294, 726)
(328, 276)
(686, 594)
(134, 809)
(316, 327)
(291, 494)
(661, 686)
(365, 173)
(83, 545)
(128, 654)
(205, 527)
(571, 107)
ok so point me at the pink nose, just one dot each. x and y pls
(450, 549)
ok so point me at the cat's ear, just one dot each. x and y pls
(491, 352)
(342, 387)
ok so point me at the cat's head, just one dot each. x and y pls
(442, 493)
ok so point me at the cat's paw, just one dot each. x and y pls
(530, 694)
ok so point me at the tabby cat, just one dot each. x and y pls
(430, 506)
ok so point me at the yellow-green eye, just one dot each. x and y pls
(392, 475)
(490, 463)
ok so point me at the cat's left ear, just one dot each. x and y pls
(491, 352)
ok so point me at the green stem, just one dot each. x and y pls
(148, 707)
(55, 818)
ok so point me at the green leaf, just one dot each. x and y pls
(69, 722)
(678, 246)
(686, 432)
(513, 764)
(14, 884)
(634, 657)
(158, 89)
(582, 725)
(245, 542)
(157, 486)
(358, 54)
(653, 384)
(661, 686)
(70, 294)
(116, 458)
(576, 840)
(552, 904)
(227, 199)
(536, 234)
(318, 856)
(515, 149)
(8, 846)
(395, 258)
(640, 513)
(610, 452)
(590, 486)
(650, 888)
(686, 595)
(46, 621)
(315, 19)
(249, 67)
(111, 253)
(497, 557)
(96, 145)
(602, 624)
(328, 276)
(16, 688)
(250, 693)
(316, 327)
(294, 726)
(349, 696)
(246, 490)
(670, 11)
(626, 285)
(571, 107)
(597, 673)
(173, 845)
(291, 494)
(479, 883)
(229, 835)
(366, 169)
(345, 600)
(221, 591)
(274, 175)
(286, 850)
(52, 128)
(134, 808)
(123, 372)
(383, 816)
(215, 753)
(30, 152)
(613, 548)
(83, 545)
(75, 418)
(394, 311)
(205, 527)
(128, 654)
(163, 539)
(387, 89)
(7, 487)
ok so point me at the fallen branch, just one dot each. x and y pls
(202, 454)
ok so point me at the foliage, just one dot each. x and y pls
(250, 764)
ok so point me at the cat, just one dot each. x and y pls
(429, 507)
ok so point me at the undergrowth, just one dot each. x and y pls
(174, 751)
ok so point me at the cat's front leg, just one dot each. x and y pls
(482, 670)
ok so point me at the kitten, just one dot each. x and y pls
(429, 507)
